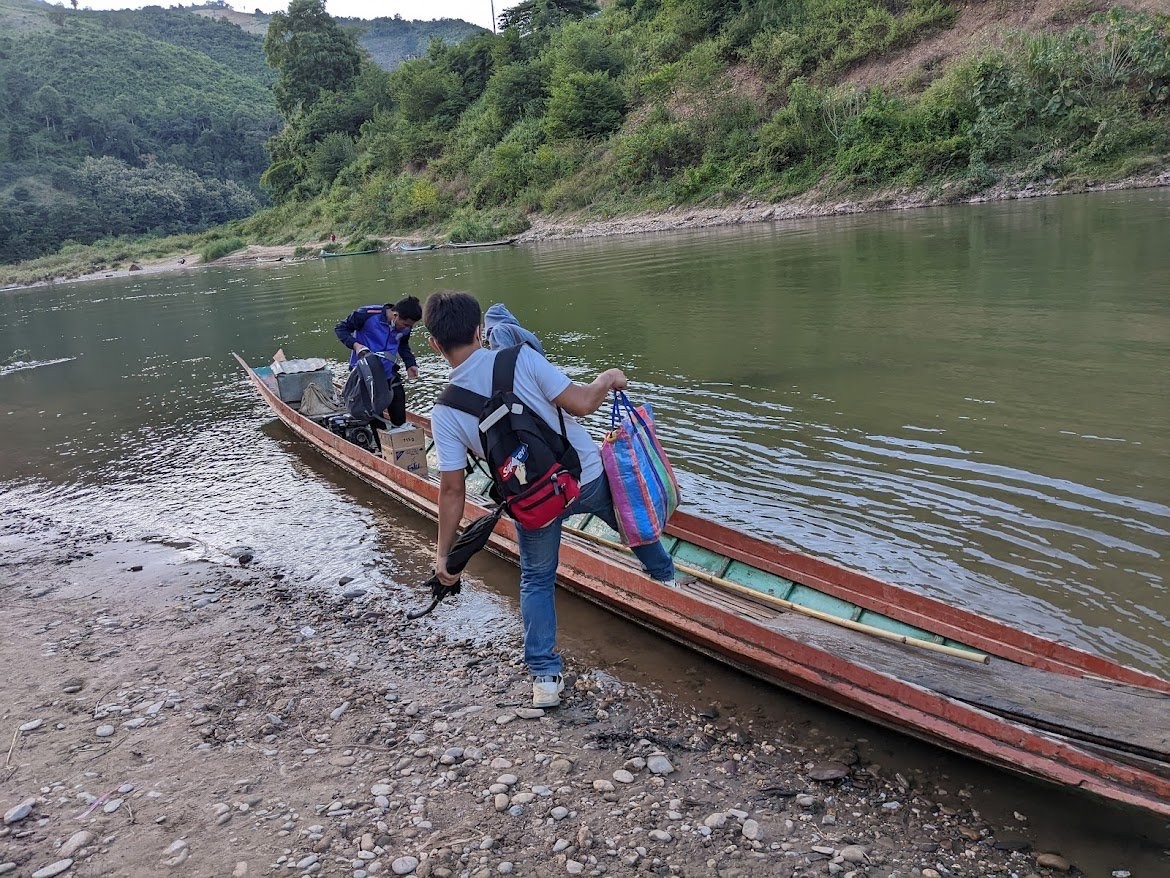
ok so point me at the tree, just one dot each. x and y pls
(584, 105)
(310, 53)
(530, 16)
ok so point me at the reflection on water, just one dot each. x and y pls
(970, 402)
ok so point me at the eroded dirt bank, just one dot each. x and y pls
(171, 716)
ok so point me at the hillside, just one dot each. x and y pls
(147, 121)
(643, 105)
(125, 124)
(389, 41)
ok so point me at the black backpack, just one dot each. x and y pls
(367, 393)
(535, 471)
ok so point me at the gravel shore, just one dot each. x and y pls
(170, 716)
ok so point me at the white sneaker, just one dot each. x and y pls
(546, 691)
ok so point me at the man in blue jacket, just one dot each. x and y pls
(384, 330)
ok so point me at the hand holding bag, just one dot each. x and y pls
(645, 491)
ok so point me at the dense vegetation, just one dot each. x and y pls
(642, 104)
(390, 41)
(150, 121)
(649, 103)
(119, 123)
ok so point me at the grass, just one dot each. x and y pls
(220, 248)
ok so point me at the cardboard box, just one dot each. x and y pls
(405, 446)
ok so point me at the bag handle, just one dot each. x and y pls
(620, 408)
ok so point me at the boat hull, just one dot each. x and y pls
(833, 666)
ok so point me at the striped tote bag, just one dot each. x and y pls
(645, 491)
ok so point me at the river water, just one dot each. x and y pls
(968, 401)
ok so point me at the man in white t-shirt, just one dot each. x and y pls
(453, 320)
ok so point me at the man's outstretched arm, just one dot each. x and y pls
(580, 400)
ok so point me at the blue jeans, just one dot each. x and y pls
(539, 556)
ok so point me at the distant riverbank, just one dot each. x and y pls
(815, 203)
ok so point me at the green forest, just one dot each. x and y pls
(646, 104)
(158, 122)
(141, 122)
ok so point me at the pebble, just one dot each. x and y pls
(715, 821)
(560, 812)
(623, 776)
(659, 764)
(854, 853)
(18, 812)
(75, 843)
(529, 712)
(660, 835)
(113, 805)
(338, 712)
(603, 786)
(1053, 861)
(104, 731)
(32, 725)
(574, 868)
(53, 869)
(5, 868)
(404, 865)
(751, 830)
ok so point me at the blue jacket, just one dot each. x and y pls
(368, 325)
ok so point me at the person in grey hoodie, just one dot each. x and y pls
(502, 330)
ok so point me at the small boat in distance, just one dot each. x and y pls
(415, 248)
(325, 254)
(473, 244)
(888, 654)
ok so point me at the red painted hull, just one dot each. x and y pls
(815, 673)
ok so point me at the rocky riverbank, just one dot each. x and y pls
(170, 715)
(815, 203)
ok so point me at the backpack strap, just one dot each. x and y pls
(504, 369)
(462, 399)
(504, 377)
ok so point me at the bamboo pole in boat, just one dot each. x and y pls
(728, 585)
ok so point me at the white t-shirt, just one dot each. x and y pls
(537, 382)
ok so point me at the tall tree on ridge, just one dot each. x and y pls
(310, 53)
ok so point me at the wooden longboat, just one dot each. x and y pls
(904, 660)
(326, 254)
(415, 248)
(471, 245)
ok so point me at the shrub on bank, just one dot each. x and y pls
(219, 248)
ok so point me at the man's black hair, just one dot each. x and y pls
(452, 317)
(408, 308)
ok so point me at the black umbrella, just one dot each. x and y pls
(473, 538)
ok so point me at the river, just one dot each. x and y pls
(966, 401)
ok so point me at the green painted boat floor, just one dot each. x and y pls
(737, 572)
